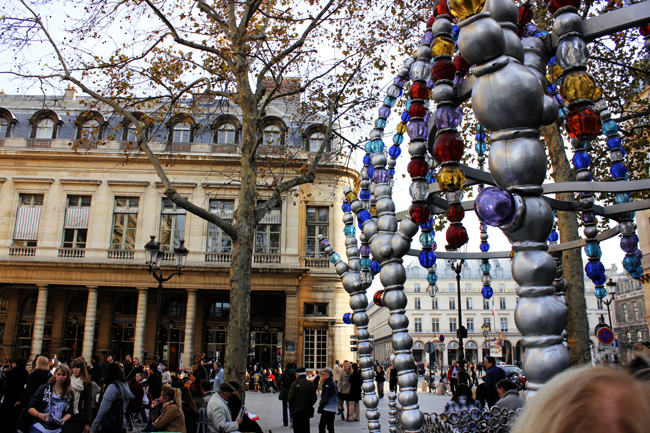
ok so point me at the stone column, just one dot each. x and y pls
(140, 324)
(39, 322)
(89, 328)
(190, 319)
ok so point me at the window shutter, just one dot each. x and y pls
(76, 218)
(27, 221)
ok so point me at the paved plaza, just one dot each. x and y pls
(269, 409)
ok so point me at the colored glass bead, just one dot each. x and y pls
(594, 269)
(638, 253)
(495, 206)
(376, 298)
(443, 69)
(427, 225)
(324, 243)
(432, 278)
(389, 101)
(378, 146)
(631, 262)
(420, 213)
(618, 170)
(441, 8)
(381, 175)
(556, 71)
(349, 230)
(380, 123)
(371, 171)
(451, 178)
(600, 292)
(364, 250)
(384, 111)
(347, 318)
(427, 258)
(420, 71)
(419, 90)
(571, 52)
(398, 139)
(446, 117)
(394, 91)
(525, 14)
(335, 258)
(398, 81)
(645, 30)
(554, 5)
(395, 151)
(448, 147)
(456, 235)
(427, 38)
(462, 9)
(462, 67)
(455, 213)
(430, 21)
(401, 128)
(364, 194)
(419, 190)
(417, 110)
(610, 128)
(592, 249)
(598, 93)
(481, 147)
(577, 85)
(367, 160)
(427, 239)
(418, 167)
(637, 273)
(581, 160)
(583, 122)
(629, 244)
(442, 46)
(350, 196)
(485, 247)
(418, 129)
(622, 197)
(346, 207)
(375, 267)
(553, 237)
(487, 292)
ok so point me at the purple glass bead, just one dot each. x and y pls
(482, 227)
(398, 81)
(446, 117)
(588, 217)
(428, 37)
(495, 206)
(324, 243)
(629, 244)
(558, 99)
(384, 111)
(431, 84)
(427, 118)
(381, 175)
(458, 79)
(639, 254)
(364, 250)
(417, 129)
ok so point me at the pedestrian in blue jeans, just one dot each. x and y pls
(328, 402)
(285, 380)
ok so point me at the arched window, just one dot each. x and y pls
(90, 125)
(273, 131)
(175, 307)
(78, 305)
(226, 134)
(314, 137)
(45, 128)
(7, 121)
(129, 132)
(29, 306)
(181, 128)
(126, 306)
(219, 309)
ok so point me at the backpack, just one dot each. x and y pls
(113, 420)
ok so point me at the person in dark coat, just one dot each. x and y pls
(328, 405)
(392, 379)
(355, 394)
(38, 377)
(14, 384)
(302, 397)
(82, 404)
(96, 371)
(234, 404)
(189, 409)
(128, 366)
(493, 375)
(285, 380)
(380, 377)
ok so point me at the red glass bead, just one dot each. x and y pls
(456, 235)
(419, 90)
(377, 298)
(430, 22)
(645, 30)
(441, 8)
(417, 110)
(525, 14)
(448, 147)
(455, 213)
(554, 5)
(462, 67)
(418, 167)
(521, 31)
(420, 213)
(583, 122)
(443, 69)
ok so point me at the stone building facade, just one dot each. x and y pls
(79, 202)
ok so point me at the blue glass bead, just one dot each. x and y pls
(375, 267)
(618, 170)
(588, 217)
(428, 176)
(482, 227)
(636, 274)
(602, 279)
(581, 159)
(384, 111)
(369, 147)
(371, 171)
(349, 230)
(346, 207)
(629, 244)
(592, 249)
(600, 292)
(405, 117)
(389, 101)
(639, 254)
(380, 123)
(427, 258)
(631, 262)
(381, 175)
(455, 29)
(613, 142)
(594, 269)
(622, 197)
(394, 151)
(398, 139)
(486, 268)
(553, 237)
(480, 136)
(427, 239)
(487, 292)
(365, 263)
(335, 258)
(367, 159)
(431, 179)
(432, 278)
(623, 152)
(364, 194)
(552, 88)
(550, 62)
(428, 37)
(391, 171)
(347, 318)
(480, 127)
(378, 146)
(563, 112)
(427, 225)
(627, 176)
(610, 128)
(430, 83)
(485, 247)
(362, 217)
(408, 105)
(481, 147)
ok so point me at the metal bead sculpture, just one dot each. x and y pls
(509, 101)
(495, 420)
(392, 413)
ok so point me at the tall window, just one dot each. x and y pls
(218, 241)
(89, 130)
(453, 325)
(636, 310)
(502, 287)
(315, 348)
(418, 305)
(452, 287)
(28, 218)
(125, 223)
(504, 324)
(469, 303)
(452, 304)
(434, 304)
(315, 141)
(418, 324)
(486, 304)
(639, 336)
(502, 303)
(317, 224)
(226, 134)
(272, 136)
(468, 287)
(625, 318)
(435, 325)
(172, 225)
(44, 128)
(470, 325)
(5, 127)
(600, 303)
(182, 132)
(75, 227)
(488, 322)
(267, 234)
(416, 288)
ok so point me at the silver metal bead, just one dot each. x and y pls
(516, 162)
(480, 39)
(441, 25)
(443, 93)
(567, 23)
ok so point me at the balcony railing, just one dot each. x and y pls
(168, 256)
(266, 259)
(86, 144)
(179, 147)
(22, 251)
(2, 141)
(72, 253)
(317, 263)
(218, 257)
(38, 143)
(120, 254)
(224, 148)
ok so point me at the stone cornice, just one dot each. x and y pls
(30, 179)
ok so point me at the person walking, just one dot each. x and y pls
(355, 394)
(285, 381)
(115, 386)
(302, 397)
(452, 376)
(14, 385)
(344, 388)
(392, 379)
(51, 405)
(328, 404)
(82, 405)
(380, 377)
(493, 375)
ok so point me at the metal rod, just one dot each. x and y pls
(157, 335)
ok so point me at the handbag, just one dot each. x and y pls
(113, 420)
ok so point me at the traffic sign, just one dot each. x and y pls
(442, 338)
(605, 335)
(429, 347)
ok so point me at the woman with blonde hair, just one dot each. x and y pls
(171, 415)
(82, 407)
(51, 405)
(588, 400)
(344, 388)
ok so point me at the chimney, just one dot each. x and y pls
(70, 93)
(2, 92)
(287, 84)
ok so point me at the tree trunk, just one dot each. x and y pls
(578, 325)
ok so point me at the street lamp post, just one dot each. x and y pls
(154, 257)
(485, 328)
(462, 331)
(75, 322)
(611, 286)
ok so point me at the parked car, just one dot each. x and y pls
(419, 366)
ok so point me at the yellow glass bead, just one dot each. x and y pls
(577, 85)
(549, 80)
(442, 46)
(451, 178)
(598, 93)
(350, 196)
(401, 127)
(512, 255)
(462, 9)
(373, 210)
(556, 70)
